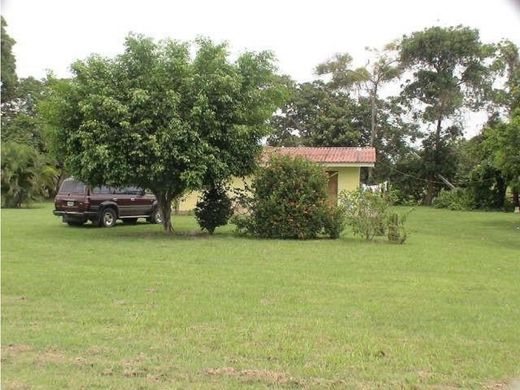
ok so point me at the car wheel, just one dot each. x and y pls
(108, 217)
(156, 217)
(130, 221)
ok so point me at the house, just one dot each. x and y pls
(342, 164)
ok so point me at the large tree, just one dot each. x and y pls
(449, 73)
(318, 115)
(157, 118)
(370, 78)
(9, 78)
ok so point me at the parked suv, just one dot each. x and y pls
(76, 203)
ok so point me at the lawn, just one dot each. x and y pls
(129, 307)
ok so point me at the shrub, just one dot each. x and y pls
(366, 212)
(289, 200)
(334, 221)
(213, 209)
(395, 228)
(456, 199)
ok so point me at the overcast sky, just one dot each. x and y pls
(51, 34)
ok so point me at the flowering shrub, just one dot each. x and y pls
(289, 200)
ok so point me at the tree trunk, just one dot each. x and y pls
(516, 201)
(432, 187)
(164, 200)
(373, 103)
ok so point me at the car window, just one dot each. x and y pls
(133, 190)
(72, 187)
(101, 190)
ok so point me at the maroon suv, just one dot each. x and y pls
(76, 203)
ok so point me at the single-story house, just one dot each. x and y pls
(342, 164)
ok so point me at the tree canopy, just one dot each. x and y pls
(449, 72)
(9, 78)
(158, 118)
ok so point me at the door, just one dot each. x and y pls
(333, 187)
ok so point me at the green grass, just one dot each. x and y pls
(129, 307)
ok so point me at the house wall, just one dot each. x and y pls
(348, 180)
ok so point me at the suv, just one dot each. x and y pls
(76, 203)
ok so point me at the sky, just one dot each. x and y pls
(51, 34)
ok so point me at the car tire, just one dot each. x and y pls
(130, 221)
(156, 217)
(108, 217)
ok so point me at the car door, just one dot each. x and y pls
(138, 203)
(125, 205)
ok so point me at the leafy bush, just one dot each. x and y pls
(366, 212)
(213, 209)
(334, 221)
(456, 199)
(289, 200)
(26, 175)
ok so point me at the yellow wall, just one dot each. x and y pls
(189, 201)
(348, 180)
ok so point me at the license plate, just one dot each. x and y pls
(70, 203)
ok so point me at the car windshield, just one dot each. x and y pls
(72, 187)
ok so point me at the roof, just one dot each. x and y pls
(328, 155)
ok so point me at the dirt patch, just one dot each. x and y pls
(97, 350)
(16, 348)
(15, 385)
(253, 375)
(133, 367)
(504, 385)
(51, 356)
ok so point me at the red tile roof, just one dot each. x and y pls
(327, 155)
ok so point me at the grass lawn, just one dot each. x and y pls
(129, 307)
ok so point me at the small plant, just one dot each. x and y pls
(214, 208)
(395, 228)
(366, 212)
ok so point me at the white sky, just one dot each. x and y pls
(51, 34)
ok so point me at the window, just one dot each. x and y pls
(72, 187)
(101, 190)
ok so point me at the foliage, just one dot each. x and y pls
(369, 79)
(214, 208)
(289, 200)
(396, 232)
(26, 176)
(157, 118)
(334, 221)
(456, 199)
(366, 212)
(450, 71)
(8, 61)
(317, 114)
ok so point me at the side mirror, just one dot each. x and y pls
(141, 192)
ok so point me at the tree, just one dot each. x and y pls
(25, 174)
(449, 73)
(156, 118)
(9, 78)
(504, 141)
(317, 115)
(370, 78)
